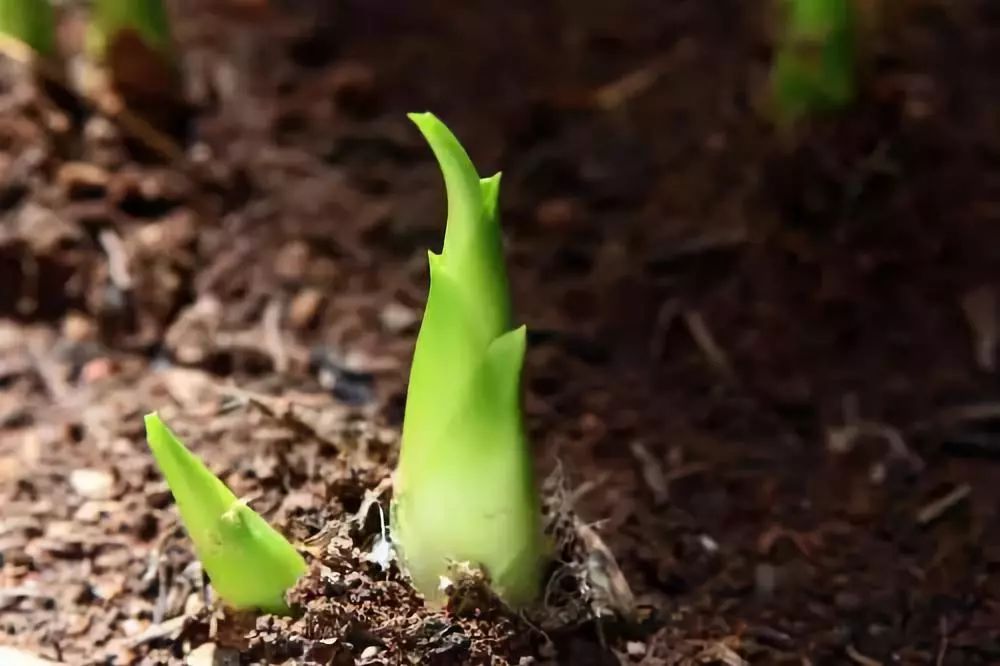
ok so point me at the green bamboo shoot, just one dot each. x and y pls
(250, 564)
(814, 67)
(465, 488)
(30, 22)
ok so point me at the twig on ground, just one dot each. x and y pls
(665, 317)
(984, 411)
(706, 342)
(606, 577)
(974, 444)
(980, 308)
(859, 658)
(117, 259)
(162, 589)
(620, 91)
(943, 644)
(637, 82)
(937, 508)
(842, 439)
(273, 340)
(965, 430)
(652, 473)
(583, 489)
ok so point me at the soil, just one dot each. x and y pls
(762, 364)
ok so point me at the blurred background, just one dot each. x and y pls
(762, 355)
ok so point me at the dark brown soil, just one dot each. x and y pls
(764, 364)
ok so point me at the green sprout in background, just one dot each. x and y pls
(814, 69)
(145, 20)
(132, 57)
(464, 487)
(251, 565)
(31, 22)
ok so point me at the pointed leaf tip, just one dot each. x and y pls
(461, 183)
(199, 494)
(420, 116)
(490, 189)
(152, 420)
(473, 245)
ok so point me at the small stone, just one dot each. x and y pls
(132, 627)
(96, 370)
(77, 327)
(174, 233)
(303, 311)
(92, 511)
(100, 129)
(108, 587)
(95, 484)
(396, 317)
(710, 545)
(81, 180)
(635, 648)
(77, 624)
(210, 654)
